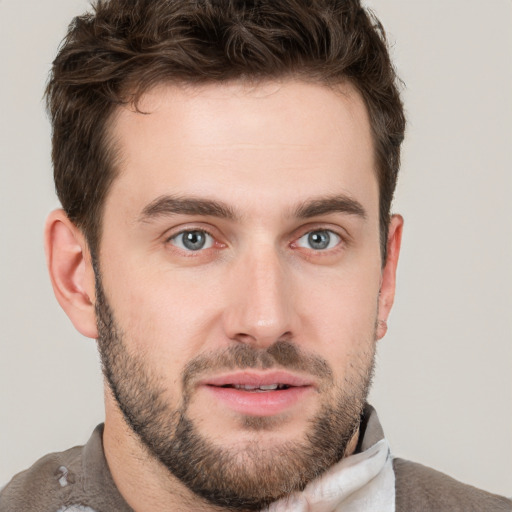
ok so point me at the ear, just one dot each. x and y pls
(388, 279)
(71, 272)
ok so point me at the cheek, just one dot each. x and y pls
(343, 312)
(163, 315)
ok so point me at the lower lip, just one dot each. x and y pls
(259, 403)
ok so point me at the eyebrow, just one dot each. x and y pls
(174, 205)
(330, 204)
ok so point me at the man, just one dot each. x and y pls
(226, 172)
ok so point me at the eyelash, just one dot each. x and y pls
(191, 252)
(339, 241)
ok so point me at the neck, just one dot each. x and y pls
(352, 445)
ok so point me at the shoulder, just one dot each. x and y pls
(419, 488)
(76, 480)
(45, 485)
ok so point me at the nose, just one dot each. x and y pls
(260, 307)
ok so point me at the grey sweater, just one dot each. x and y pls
(78, 479)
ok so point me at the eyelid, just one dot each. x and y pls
(337, 239)
(185, 228)
(176, 231)
(338, 231)
(322, 226)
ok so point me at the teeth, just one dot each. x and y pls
(269, 387)
(248, 387)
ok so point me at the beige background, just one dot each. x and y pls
(444, 382)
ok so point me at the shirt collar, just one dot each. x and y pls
(364, 481)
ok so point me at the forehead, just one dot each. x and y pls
(278, 141)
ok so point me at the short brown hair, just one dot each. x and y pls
(112, 56)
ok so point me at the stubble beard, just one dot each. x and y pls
(235, 478)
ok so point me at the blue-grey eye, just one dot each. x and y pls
(319, 240)
(193, 240)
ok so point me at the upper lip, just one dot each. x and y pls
(256, 379)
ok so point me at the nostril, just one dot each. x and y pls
(244, 338)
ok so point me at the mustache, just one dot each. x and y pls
(281, 354)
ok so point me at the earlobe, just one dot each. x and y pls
(71, 272)
(388, 284)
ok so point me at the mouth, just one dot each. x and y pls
(258, 393)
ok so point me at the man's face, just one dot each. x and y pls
(240, 275)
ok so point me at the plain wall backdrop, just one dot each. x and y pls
(443, 387)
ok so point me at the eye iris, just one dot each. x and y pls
(319, 240)
(194, 240)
